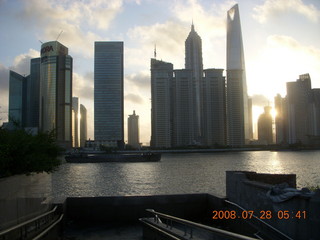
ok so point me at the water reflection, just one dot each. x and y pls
(180, 173)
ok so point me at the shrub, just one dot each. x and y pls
(23, 153)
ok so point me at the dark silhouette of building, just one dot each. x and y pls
(214, 129)
(265, 135)
(133, 130)
(108, 94)
(161, 104)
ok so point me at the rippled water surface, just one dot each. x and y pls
(180, 173)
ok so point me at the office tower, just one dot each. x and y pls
(250, 118)
(161, 109)
(237, 99)
(280, 105)
(75, 122)
(214, 108)
(193, 61)
(33, 95)
(17, 98)
(83, 125)
(56, 92)
(108, 94)
(183, 109)
(299, 97)
(133, 131)
(265, 127)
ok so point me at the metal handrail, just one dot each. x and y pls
(201, 226)
(161, 231)
(49, 228)
(27, 222)
(260, 220)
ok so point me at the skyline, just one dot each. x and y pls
(279, 37)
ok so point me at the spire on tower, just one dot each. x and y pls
(192, 26)
(155, 51)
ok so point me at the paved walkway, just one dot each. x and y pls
(103, 231)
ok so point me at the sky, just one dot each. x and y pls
(280, 37)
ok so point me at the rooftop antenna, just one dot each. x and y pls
(155, 51)
(59, 35)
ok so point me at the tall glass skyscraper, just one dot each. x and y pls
(193, 61)
(75, 122)
(108, 93)
(83, 125)
(56, 91)
(214, 108)
(17, 98)
(161, 104)
(33, 94)
(237, 98)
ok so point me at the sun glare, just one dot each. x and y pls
(273, 113)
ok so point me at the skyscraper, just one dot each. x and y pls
(75, 122)
(161, 104)
(83, 125)
(108, 93)
(214, 108)
(183, 110)
(17, 98)
(133, 130)
(250, 118)
(281, 119)
(237, 99)
(56, 91)
(299, 99)
(265, 127)
(193, 61)
(33, 95)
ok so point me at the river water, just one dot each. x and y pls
(180, 173)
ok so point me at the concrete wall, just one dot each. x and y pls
(130, 209)
(243, 190)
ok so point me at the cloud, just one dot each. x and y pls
(139, 80)
(260, 100)
(21, 63)
(272, 8)
(168, 37)
(53, 16)
(134, 98)
(83, 85)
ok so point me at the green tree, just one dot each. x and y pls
(24, 153)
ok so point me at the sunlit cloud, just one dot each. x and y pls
(134, 98)
(272, 8)
(73, 19)
(282, 60)
(168, 38)
(83, 85)
(140, 80)
(21, 63)
(259, 100)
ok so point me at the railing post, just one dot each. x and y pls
(191, 232)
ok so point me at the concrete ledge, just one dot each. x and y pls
(131, 208)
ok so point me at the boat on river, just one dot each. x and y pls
(112, 157)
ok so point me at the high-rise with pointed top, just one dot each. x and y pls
(193, 61)
(237, 98)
